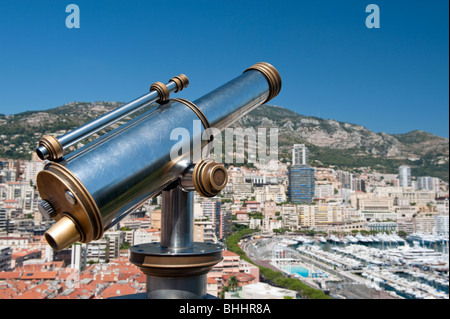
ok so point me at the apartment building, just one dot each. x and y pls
(5, 258)
(204, 231)
(301, 184)
(321, 216)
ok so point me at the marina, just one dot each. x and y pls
(384, 265)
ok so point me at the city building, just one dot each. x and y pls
(424, 224)
(404, 176)
(4, 220)
(442, 225)
(253, 206)
(265, 291)
(321, 216)
(375, 204)
(346, 179)
(428, 183)
(301, 184)
(382, 226)
(323, 191)
(204, 231)
(97, 250)
(289, 217)
(78, 256)
(240, 187)
(226, 221)
(270, 209)
(322, 199)
(230, 265)
(142, 236)
(442, 205)
(5, 258)
(155, 218)
(276, 193)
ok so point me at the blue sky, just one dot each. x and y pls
(393, 79)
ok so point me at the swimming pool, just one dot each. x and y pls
(300, 271)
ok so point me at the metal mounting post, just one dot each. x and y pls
(177, 266)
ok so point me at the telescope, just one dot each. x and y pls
(90, 190)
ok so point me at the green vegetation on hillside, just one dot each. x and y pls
(273, 277)
(20, 133)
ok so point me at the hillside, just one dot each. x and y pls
(350, 146)
(343, 145)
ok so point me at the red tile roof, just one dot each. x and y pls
(10, 275)
(228, 253)
(240, 276)
(118, 290)
(32, 294)
(44, 275)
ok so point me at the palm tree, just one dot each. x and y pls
(224, 290)
(232, 282)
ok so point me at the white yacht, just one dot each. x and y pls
(362, 239)
(300, 239)
(399, 239)
(392, 239)
(334, 239)
(288, 242)
(351, 239)
(374, 239)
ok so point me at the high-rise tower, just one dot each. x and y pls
(404, 175)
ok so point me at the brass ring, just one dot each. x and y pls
(52, 184)
(162, 90)
(197, 180)
(53, 146)
(272, 76)
(204, 178)
(181, 81)
(196, 110)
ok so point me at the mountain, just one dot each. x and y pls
(331, 143)
(350, 146)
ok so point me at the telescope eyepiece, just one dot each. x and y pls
(64, 233)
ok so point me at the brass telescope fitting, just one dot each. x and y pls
(181, 81)
(64, 234)
(209, 178)
(272, 75)
(69, 203)
(53, 147)
(162, 90)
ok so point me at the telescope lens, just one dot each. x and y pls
(63, 234)
(218, 177)
(40, 152)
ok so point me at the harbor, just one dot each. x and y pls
(384, 266)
